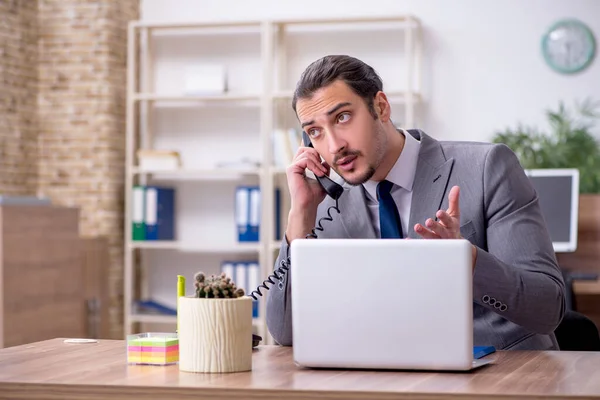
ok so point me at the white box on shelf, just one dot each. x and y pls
(205, 79)
(158, 160)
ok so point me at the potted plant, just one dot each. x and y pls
(570, 144)
(215, 327)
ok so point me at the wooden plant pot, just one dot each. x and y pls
(215, 335)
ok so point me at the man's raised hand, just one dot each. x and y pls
(448, 224)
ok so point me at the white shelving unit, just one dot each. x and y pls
(263, 59)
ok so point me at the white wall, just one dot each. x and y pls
(483, 69)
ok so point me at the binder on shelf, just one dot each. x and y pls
(248, 213)
(241, 275)
(277, 218)
(246, 275)
(160, 213)
(228, 269)
(242, 213)
(253, 282)
(254, 220)
(137, 217)
(153, 307)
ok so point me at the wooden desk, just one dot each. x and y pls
(54, 370)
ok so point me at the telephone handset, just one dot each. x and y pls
(334, 190)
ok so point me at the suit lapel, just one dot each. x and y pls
(355, 215)
(431, 180)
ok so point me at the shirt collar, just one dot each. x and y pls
(403, 171)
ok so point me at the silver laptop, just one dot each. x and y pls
(383, 304)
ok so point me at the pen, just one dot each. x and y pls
(180, 293)
(180, 285)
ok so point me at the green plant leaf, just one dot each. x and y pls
(569, 144)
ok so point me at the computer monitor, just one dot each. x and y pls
(558, 190)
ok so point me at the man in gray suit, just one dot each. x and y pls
(476, 191)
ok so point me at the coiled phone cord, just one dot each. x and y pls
(284, 265)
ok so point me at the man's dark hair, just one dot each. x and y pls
(361, 78)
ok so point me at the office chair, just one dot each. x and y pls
(576, 332)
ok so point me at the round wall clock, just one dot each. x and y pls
(568, 46)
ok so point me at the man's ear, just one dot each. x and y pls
(382, 106)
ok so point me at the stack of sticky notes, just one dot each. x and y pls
(153, 348)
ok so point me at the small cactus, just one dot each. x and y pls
(216, 287)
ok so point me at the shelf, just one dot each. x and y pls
(394, 96)
(208, 174)
(238, 248)
(151, 244)
(195, 25)
(237, 24)
(348, 20)
(187, 101)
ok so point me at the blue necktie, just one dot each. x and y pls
(389, 218)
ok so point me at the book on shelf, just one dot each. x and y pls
(285, 146)
(248, 213)
(158, 160)
(153, 213)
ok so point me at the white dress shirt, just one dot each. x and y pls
(402, 175)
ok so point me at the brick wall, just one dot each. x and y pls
(62, 113)
(82, 78)
(18, 97)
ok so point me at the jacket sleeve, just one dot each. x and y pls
(518, 276)
(279, 302)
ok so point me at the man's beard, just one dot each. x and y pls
(363, 178)
(371, 168)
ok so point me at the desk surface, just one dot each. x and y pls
(53, 369)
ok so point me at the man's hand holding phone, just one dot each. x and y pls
(306, 193)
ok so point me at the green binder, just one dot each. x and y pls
(138, 210)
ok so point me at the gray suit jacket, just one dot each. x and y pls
(518, 289)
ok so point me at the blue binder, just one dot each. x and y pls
(153, 307)
(248, 213)
(242, 214)
(160, 213)
(253, 282)
(277, 217)
(254, 214)
(245, 274)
